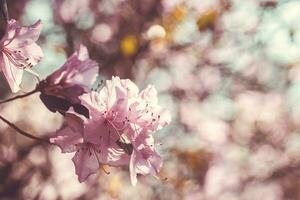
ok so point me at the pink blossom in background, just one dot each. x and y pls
(71, 80)
(19, 51)
(68, 10)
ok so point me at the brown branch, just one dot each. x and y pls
(20, 96)
(23, 132)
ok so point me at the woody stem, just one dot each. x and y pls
(23, 132)
(20, 96)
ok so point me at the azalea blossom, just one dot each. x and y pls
(62, 88)
(116, 132)
(19, 51)
(147, 113)
(144, 159)
(70, 139)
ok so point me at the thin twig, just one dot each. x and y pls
(20, 96)
(23, 132)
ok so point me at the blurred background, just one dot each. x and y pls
(228, 70)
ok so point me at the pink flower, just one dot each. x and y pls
(129, 118)
(144, 159)
(62, 88)
(89, 156)
(19, 51)
(109, 109)
(70, 139)
(117, 130)
(146, 112)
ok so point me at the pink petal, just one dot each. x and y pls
(75, 121)
(97, 133)
(144, 159)
(93, 102)
(19, 51)
(149, 94)
(33, 52)
(87, 73)
(116, 156)
(82, 53)
(71, 136)
(78, 69)
(109, 92)
(86, 162)
(12, 74)
(67, 139)
(19, 36)
(132, 169)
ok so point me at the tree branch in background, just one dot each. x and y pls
(23, 132)
(20, 96)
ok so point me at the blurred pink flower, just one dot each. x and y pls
(62, 88)
(7, 154)
(68, 10)
(19, 51)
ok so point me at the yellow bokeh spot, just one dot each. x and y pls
(179, 13)
(115, 185)
(207, 19)
(172, 19)
(129, 45)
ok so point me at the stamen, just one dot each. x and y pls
(105, 170)
(17, 58)
(164, 179)
(100, 165)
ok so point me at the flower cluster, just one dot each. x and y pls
(113, 126)
(117, 132)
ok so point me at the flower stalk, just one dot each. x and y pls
(28, 135)
(20, 96)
